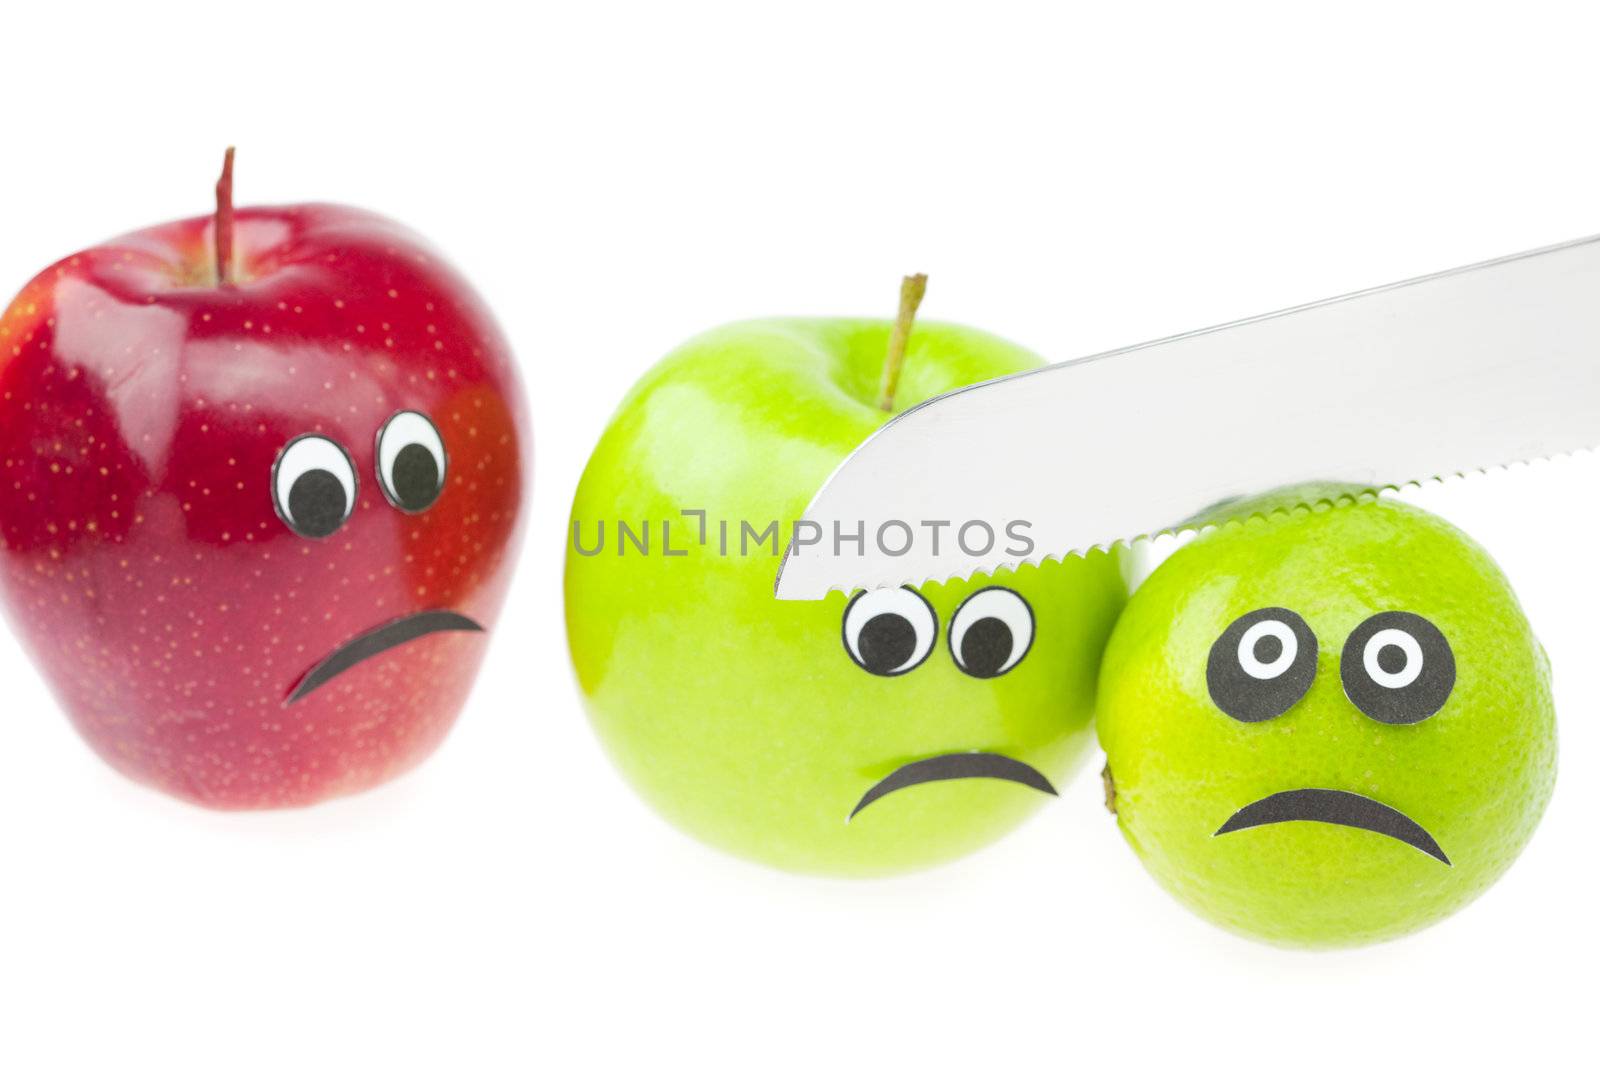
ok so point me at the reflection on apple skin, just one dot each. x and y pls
(760, 726)
(145, 565)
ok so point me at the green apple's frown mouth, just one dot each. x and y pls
(1338, 807)
(952, 766)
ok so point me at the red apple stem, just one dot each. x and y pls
(912, 288)
(224, 223)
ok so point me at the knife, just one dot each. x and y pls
(1483, 366)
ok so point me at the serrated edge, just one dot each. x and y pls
(1356, 495)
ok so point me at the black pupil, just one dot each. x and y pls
(415, 477)
(986, 646)
(1269, 648)
(887, 642)
(317, 503)
(1392, 658)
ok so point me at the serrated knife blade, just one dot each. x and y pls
(1477, 367)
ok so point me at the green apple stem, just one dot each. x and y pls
(912, 288)
(224, 222)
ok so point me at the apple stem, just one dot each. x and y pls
(224, 222)
(912, 287)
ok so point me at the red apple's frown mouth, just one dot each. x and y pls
(952, 766)
(364, 646)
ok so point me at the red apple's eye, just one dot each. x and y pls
(313, 485)
(889, 631)
(411, 461)
(991, 631)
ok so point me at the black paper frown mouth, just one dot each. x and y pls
(363, 647)
(951, 767)
(1339, 808)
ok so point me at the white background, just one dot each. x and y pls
(618, 178)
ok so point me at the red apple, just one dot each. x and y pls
(262, 474)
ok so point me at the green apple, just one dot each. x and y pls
(1327, 727)
(860, 736)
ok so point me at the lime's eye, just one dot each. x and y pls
(1262, 665)
(1398, 668)
(889, 631)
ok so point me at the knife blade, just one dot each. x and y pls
(1482, 366)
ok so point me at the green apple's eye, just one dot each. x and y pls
(1262, 665)
(889, 631)
(1398, 668)
(313, 485)
(990, 632)
(411, 461)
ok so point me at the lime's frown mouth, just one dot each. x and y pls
(1338, 807)
(952, 766)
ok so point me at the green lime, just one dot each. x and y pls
(1327, 727)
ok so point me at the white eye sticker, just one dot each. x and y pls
(411, 461)
(313, 485)
(889, 631)
(1398, 668)
(991, 631)
(1268, 649)
(1392, 658)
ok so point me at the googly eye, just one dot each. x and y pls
(889, 631)
(1262, 665)
(313, 485)
(1398, 668)
(411, 461)
(990, 632)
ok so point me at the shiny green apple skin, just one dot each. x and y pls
(741, 718)
(1476, 774)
